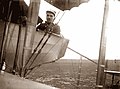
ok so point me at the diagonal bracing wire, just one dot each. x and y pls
(43, 63)
(39, 51)
(40, 43)
(82, 55)
(36, 49)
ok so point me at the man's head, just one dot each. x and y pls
(50, 16)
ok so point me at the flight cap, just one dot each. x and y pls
(51, 11)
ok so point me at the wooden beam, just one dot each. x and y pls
(102, 51)
(32, 19)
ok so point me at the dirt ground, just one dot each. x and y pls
(64, 74)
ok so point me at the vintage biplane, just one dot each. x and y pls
(22, 48)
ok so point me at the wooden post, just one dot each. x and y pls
(15, 67)
(102, 51)
(79, 73)
(3, 45)
(32, 19)
(4, 38)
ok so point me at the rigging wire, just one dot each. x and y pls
(50, 49)
(39, 51)
(44, 43)
(83, 55)
(36, 49)
(39, 66)
(49, 35)
(60, 18)
(40, 42)
(44, 56)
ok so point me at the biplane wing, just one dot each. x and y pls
(9, 81)
(117, 73)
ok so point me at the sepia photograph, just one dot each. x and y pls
(59, 44)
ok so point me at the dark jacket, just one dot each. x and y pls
(46, 26)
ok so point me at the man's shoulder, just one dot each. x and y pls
(56, 26)
(56, 29)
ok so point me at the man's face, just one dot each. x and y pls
(50, 17)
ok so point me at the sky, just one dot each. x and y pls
(82, 26)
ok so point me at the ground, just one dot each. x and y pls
(71, 74)
(64, 74)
